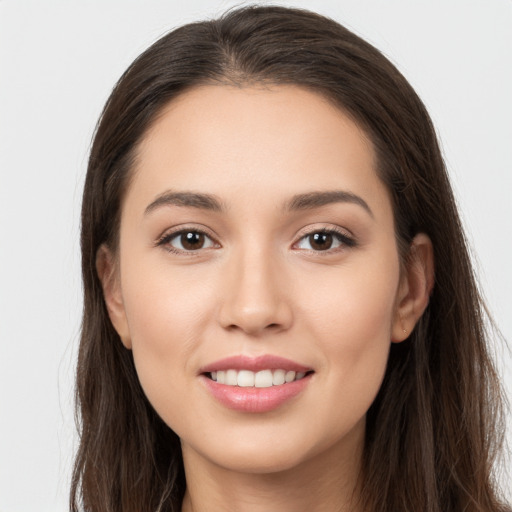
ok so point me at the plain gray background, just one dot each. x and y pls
(58, 63)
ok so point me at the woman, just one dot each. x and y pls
(263, 328)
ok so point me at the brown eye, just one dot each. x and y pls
(187, 241)
(192, 240)
(325, 240)
(320, 241)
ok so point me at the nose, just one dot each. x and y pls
(255, 300)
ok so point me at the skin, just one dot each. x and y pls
(258, 286)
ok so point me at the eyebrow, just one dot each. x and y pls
(308, 201)
(313, 200)
(189, 199)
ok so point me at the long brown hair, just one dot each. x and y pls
(434, 428)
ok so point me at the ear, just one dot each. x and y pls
(108, 273)
(416, 284)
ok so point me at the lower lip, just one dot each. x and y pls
(255, 399)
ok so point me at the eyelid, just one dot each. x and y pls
(346, 238)
(169, 234)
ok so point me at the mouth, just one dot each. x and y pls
(255, 384)
(260, 379)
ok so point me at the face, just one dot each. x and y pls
(258, 281)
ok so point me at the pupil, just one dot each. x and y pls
(192, 240)
(321, 241)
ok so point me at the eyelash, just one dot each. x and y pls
(164, 241)
(342, 237)
(345, 240)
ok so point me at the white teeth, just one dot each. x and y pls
(245, 379)
(231, 378)
(289, 376)
(261, 379)
(278, 377)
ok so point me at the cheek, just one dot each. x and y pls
(164, 304)
(356, 302)
(351, 321)
(167, 313)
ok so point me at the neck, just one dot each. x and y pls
(327, 482)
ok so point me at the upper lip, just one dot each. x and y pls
(255, 364)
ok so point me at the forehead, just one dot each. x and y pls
(254, 142)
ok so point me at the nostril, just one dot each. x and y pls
(273, 326)
(254, 318)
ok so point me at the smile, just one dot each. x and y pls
(260, 379)
(255, 384)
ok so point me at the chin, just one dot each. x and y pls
(274, 451)
(255, 461)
